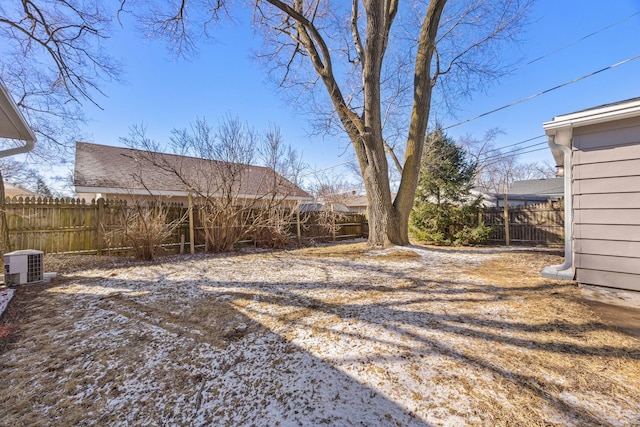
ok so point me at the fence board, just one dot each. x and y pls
(74, 226)
(541, 224)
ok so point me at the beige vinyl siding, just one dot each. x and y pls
(620, 248)
(606, 203)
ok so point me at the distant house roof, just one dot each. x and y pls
(323, 206)
(486, 199)
(538, 187)
(107, 169)
(355, 201)
(12, 190)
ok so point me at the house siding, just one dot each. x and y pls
(606, 204)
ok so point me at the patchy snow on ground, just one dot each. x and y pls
(5, 296)
(396, 337)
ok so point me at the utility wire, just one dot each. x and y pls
(324, 169)
(495, 156)
(511, 145)
(497, 160)
(575, 42)
(520, 101)
(560, 49)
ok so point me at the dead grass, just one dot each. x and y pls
(357, 250)
(327, 335)
(340, 250)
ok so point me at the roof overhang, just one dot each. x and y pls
(13, 125)
(560, 129)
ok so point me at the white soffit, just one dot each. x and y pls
(12, 124)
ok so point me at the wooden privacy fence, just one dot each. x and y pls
(541, 224)
(76, 226)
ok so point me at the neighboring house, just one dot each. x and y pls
(599, 149)
(533, 191)
(12, 190)
(358, 204)
(355, 203)
(323, 207)
(487, 199)
(103, 171)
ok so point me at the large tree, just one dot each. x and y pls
(377, 63)
(371, 64)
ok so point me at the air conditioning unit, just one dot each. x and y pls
(22, 267)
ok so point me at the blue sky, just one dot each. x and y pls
(165, 93)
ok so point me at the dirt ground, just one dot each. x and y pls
(331, 335)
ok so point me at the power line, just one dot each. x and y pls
(560, 49)
(512, 145)
(575, 42)
(568, 45)
(520, 101)
(495, 156)
(497, 160)
(325, 169)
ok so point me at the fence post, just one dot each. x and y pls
(507, 237)
(298, 231)
(100, 226)
(192, 244)
(362, 221)
(333, 222)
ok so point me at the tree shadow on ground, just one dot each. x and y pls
(418, 334)
(125, 357)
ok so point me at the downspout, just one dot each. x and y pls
(564, 271)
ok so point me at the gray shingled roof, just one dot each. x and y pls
(102, 166)
(542, 187)
(611, 104)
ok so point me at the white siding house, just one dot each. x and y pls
(599, 149)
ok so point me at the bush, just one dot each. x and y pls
(146, 227)
(472, 235)
(447, 224)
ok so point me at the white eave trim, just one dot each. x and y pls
(594, 116)
(13, 125)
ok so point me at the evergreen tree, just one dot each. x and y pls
(43, 189)
(445, 211)
(447, 173)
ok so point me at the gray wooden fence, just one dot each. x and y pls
(541, 224)
(76, 226)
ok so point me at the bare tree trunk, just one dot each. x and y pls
(376, 181)
(423, 83)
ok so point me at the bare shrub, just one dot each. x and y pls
(330, 220)
(236, 200)
(146, 226)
